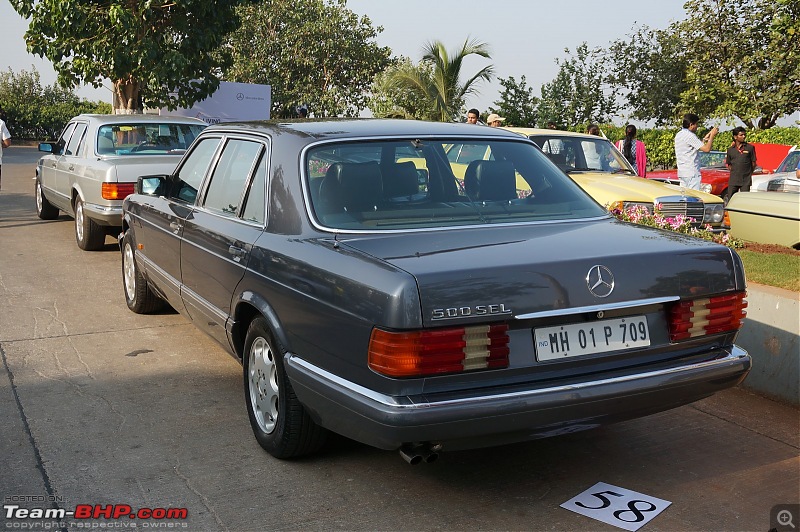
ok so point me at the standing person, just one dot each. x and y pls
(741, 161)
(687, 146)
(495, 120)
(634, 150)
(595, 159)
(472, 116)
(797, 172)
(5, 142)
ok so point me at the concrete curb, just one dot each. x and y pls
(770, 334)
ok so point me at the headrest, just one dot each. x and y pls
(400, 179)
(490, 181)
(352, 186)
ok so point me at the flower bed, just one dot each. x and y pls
(679, 224)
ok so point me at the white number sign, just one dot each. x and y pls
(617, 506)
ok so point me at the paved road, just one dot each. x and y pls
(103, 406)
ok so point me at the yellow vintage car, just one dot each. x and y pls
(602, 171)
(766, 217)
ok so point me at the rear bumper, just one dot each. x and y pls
(104, 214)
(497, 416)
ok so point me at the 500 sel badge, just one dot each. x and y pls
(465, 312)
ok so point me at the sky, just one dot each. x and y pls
(524, 36)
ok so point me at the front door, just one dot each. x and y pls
(163, 217)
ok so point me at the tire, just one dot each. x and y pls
(279, 422)
(44, 209)
(138, 295)
(89, 235)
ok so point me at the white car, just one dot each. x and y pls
(96, 161)
(784, 175)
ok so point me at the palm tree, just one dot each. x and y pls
(441, 88)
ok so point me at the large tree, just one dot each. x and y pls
(443, 89)
(157, 53)
(729, 60)
(746, 61)
(312, 52)
(517, 103)
(580, 92)
(649, 68)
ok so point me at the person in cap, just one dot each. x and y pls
(495, 120)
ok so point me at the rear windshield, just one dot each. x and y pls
(423, 183)
(146, 139)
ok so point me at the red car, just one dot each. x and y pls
(714, 174)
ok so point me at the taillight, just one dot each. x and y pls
(419, 353)
(699, 317)
(117, 190)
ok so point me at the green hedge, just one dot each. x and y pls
(661, 149)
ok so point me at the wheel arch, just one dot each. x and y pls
(75, 193)
(248, 306)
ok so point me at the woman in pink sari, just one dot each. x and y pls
(634, 150)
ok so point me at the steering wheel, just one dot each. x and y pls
(142, 145)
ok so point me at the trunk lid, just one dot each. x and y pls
(471, 275)
(128, 168)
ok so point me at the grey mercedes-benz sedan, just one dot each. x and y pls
(374, 286)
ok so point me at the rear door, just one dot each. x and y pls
(219, 234)
(72, 164)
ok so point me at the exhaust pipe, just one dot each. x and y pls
(422, 452)
(430, 457)
(411, 455)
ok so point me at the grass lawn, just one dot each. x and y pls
(780, 268)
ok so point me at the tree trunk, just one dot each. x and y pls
(766, 122)
(127, 100)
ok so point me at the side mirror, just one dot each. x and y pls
(152, 185)
(49, 147)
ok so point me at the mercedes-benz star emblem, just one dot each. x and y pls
(600, 281)
(239, 96)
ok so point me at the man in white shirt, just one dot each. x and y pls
(5, 142)
(687, 147)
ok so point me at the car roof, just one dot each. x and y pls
(128, 119)
(527, 131)
(363, 127)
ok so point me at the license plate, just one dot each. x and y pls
(554, 343)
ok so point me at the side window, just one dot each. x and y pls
(191, 174)
(62, 141)
(76, 141)
(254, 208)
(230, 176)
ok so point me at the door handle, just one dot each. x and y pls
(175, 226)
(237, 253)
(71, 168)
